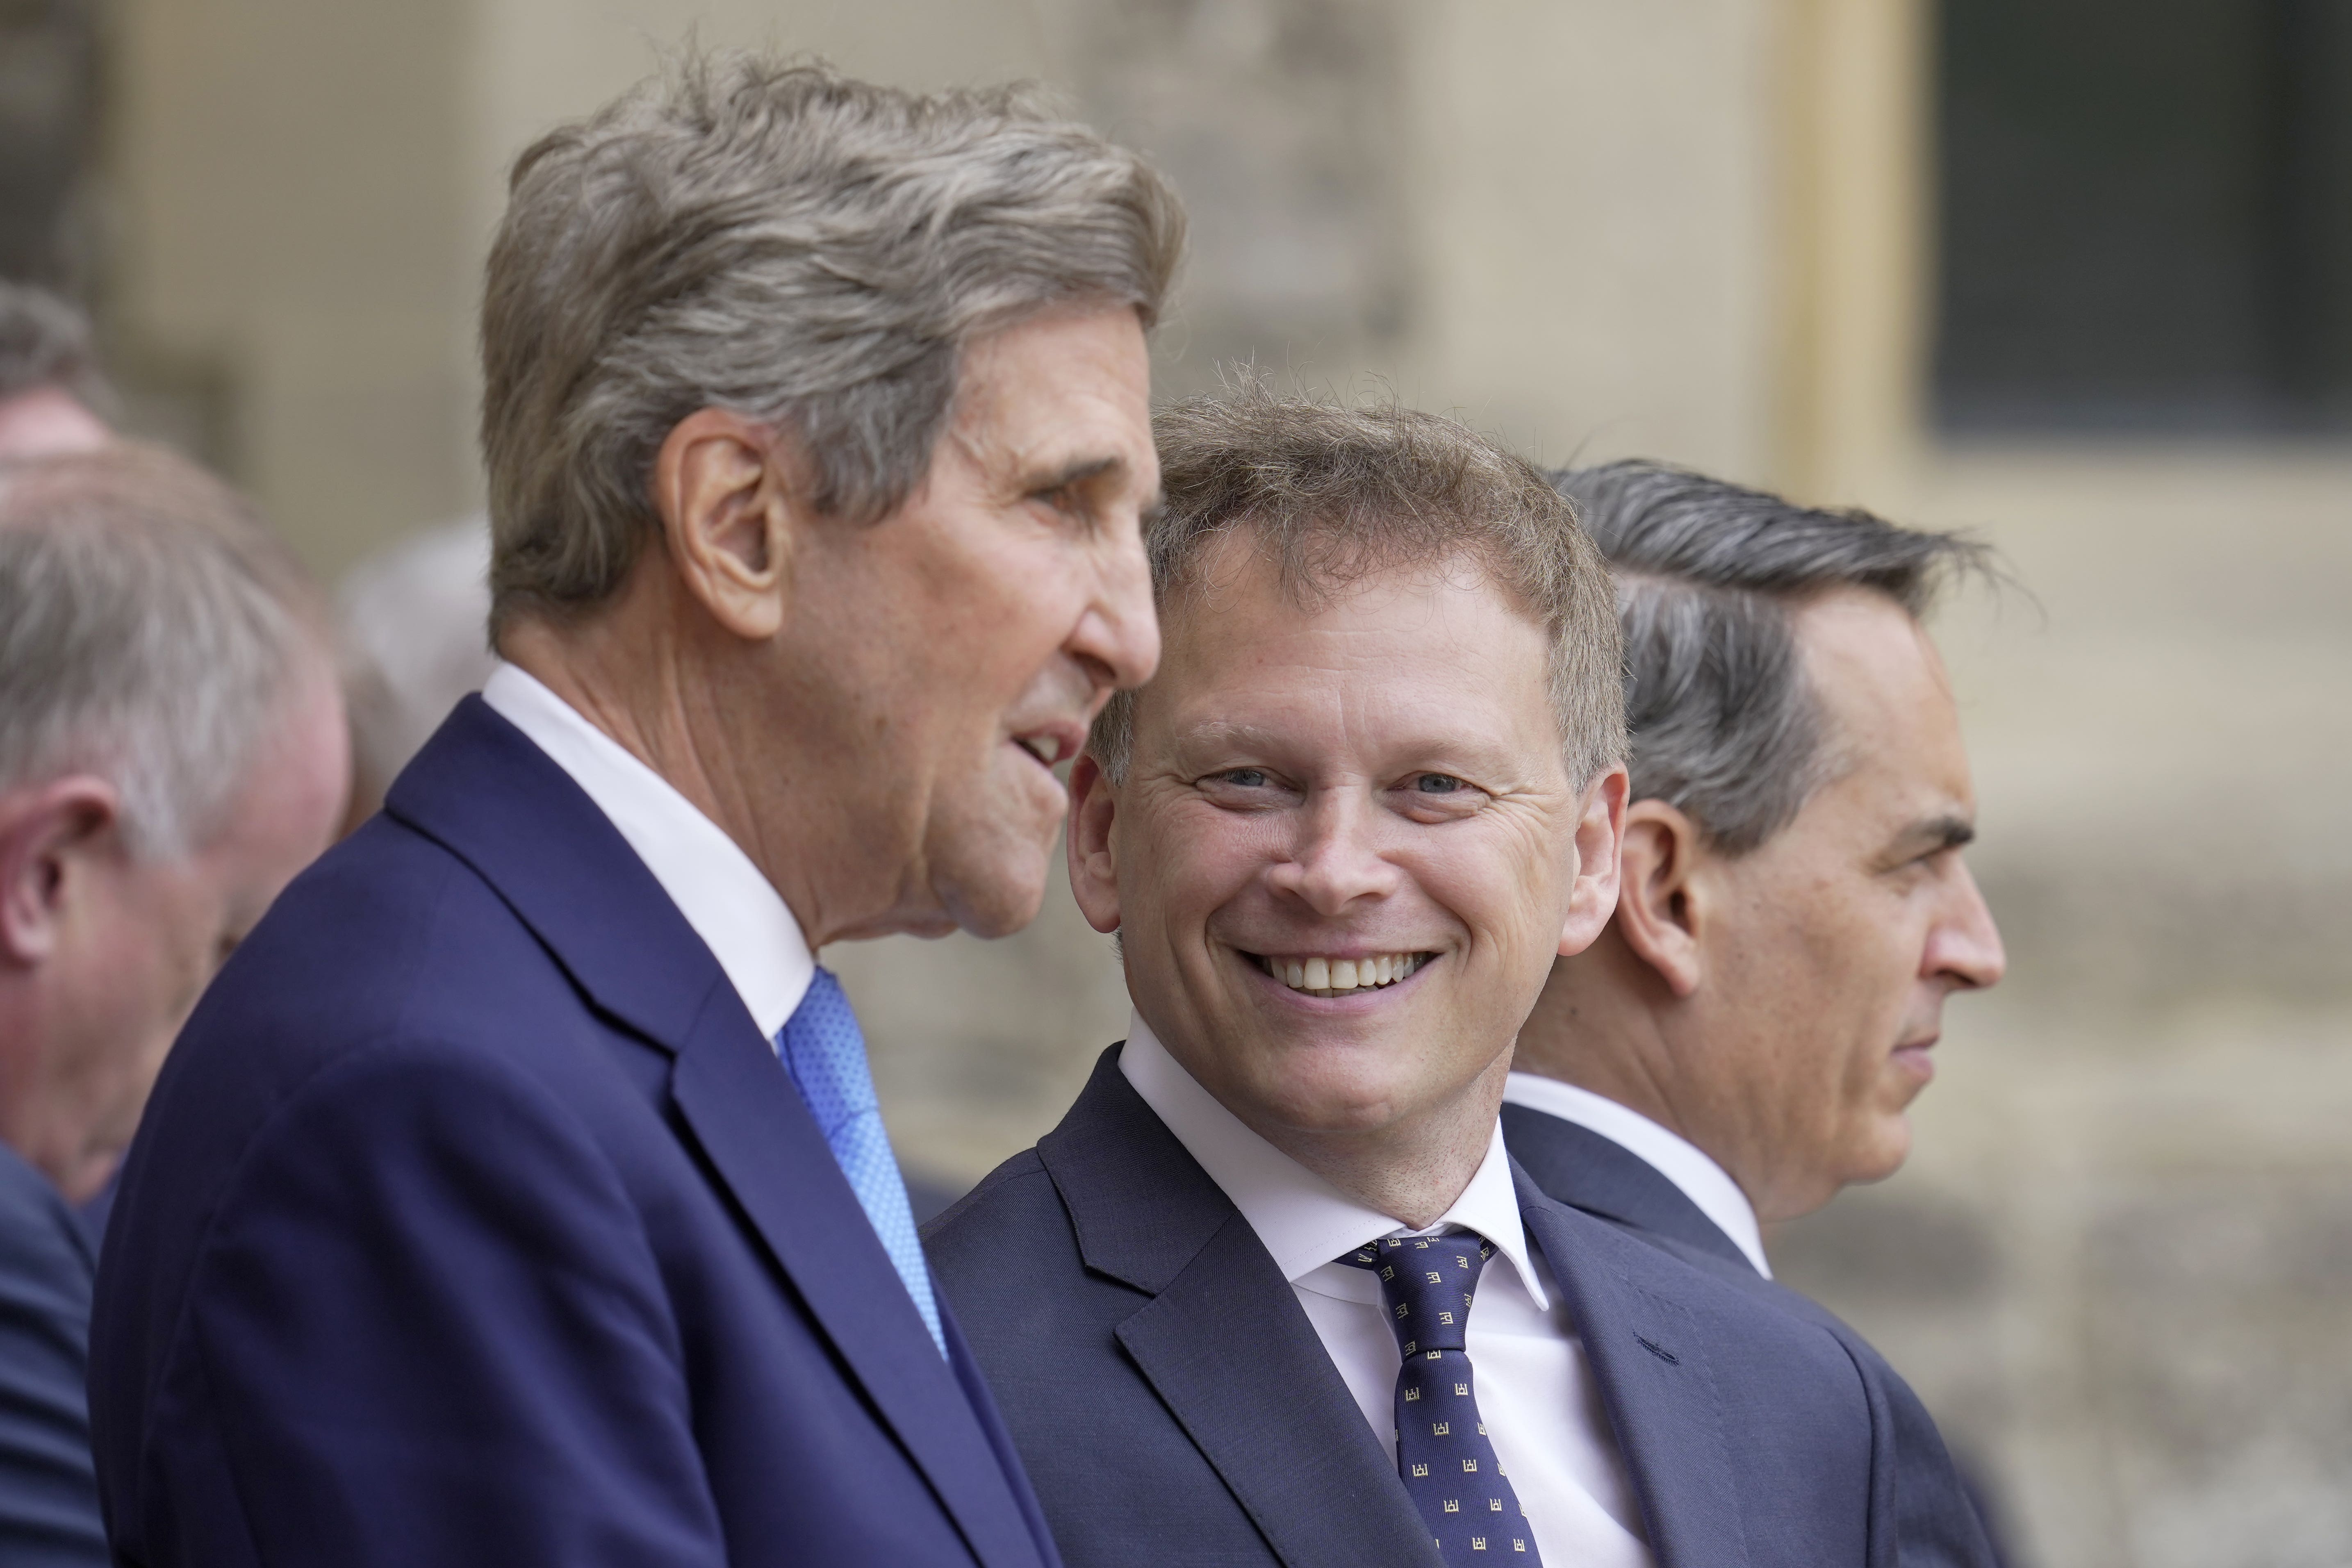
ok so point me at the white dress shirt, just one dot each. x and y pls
(1676, 1158)
(1535, 1390)
(734, 908)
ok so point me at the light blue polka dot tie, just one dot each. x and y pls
(823, 1049)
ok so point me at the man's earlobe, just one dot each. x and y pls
(729, 497)
(1094, 864)
(1660, 910)
(42, 830)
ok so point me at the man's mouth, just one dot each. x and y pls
(1050, 747)
(1318, 976)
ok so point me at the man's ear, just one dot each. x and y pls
(729, 494)
(1094, 867)
(1660, 910)
(46, 835)
(1600, 835)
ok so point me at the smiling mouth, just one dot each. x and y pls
(1320, 977)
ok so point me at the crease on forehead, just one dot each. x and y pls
(1318, 566)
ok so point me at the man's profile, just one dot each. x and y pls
(519, 1196)
(1747, 1036)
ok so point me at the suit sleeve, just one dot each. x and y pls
(49, 1491)
(428, 1326)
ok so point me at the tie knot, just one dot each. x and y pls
(824, 1051)
(1427, 1282)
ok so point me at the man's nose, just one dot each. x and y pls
(1335, 861)
(1119, 635)
(1965, 945)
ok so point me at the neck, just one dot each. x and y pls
(682, 698)
(1412, 1170)
(52, 1128)
(1607, 1023)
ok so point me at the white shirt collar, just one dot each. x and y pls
(1303, 1220)
(1676, 1158)
(735, 910)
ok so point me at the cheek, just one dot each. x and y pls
(1500, 886)
(1185, 866)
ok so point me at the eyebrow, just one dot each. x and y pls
(1077, 471)
(1937, 833)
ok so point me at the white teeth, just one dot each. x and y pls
(1337, 977)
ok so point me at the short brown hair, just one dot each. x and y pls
(1331, 494)
(810, 251)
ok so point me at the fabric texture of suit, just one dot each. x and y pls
(473, 1221)
(1175, 1406)
(49, 1494)
(1938, 1523)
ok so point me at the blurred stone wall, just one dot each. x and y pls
(2120, 1263)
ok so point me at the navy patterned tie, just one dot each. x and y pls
(1447, 1465)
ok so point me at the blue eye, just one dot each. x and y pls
(1437, 784)
(1248, 778)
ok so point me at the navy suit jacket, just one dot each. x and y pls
(1176, 1407)
(1939, 1521)
(473, 1221)
(48, 1496)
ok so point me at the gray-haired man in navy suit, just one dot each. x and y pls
(1274, 1292)
(519, 1196)
(1744, 1037)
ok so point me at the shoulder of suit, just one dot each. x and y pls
(1006, 1197)
(1666, 1269)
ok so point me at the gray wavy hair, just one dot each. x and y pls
(45, 341)
(777, 239)
(1330, 493)
(1725, 726)
(149, 627)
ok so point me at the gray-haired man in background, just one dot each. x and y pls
(50, 386)
(172, 752)
(1744, 1037)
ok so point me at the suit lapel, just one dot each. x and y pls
(1588, 1170)
(768, 1151)
(482, 789)
(1649, 1360)
(1224, 1343)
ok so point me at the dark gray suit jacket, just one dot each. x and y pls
(1939, 1522)
(1173, 1406)
(48, 1489)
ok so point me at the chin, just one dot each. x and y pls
(1326, 1090)
(997, 895)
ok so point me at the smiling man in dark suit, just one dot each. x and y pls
(518, 1197)
(1744, 1037)
(1273, 1292)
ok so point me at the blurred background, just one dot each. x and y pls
(2077, 274)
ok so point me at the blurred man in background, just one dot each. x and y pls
(50, 386)
(519, 1196)
(172, 752)
(1227, 1304)
(1745, 1037)
(412, 621)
